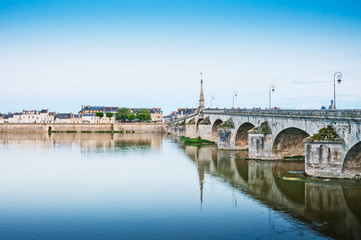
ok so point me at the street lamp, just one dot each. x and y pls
(337, 75)
(271, 90)
(234, 95)
(212, 98)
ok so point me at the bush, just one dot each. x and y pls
(109, 115)
(131, 117)
(196, 141)
(122, 114)
(144, 115)
(325, 134)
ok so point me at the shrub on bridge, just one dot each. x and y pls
(263, 128)
(325, 134)
(227, 124)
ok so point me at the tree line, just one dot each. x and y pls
(125, 114)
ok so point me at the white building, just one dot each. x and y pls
(33, 116)
(42, 116)
(90, 118)
(68, 118)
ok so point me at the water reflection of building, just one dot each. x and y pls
(85, 141)
(332, 208)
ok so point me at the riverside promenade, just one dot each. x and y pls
(83, 127)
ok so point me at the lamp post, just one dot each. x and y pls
(234, 95)
(271, 90)
(212, 98)
(337, 75)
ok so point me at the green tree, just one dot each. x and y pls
(122, 114)
(131, 117)
(109, 115)
(99, 114)
(144, 115)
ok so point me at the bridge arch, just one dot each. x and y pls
(214, 134)
(289, 143)
(241, 141)
(352, 163)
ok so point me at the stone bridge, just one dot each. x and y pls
(284, 134)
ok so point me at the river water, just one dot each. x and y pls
(132, 186)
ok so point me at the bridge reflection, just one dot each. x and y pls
(331, 208)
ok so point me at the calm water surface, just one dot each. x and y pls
(130, 186)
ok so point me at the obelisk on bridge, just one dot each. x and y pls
(201, 97)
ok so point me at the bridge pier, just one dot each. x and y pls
(190, 131)
(204, 128)
(324, 159)
(260, 146)
(226, 135)
(204, 132)
(226, 139)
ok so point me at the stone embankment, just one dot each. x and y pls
(83, 127)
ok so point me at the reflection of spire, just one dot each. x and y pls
(201, 97)
(201, 178)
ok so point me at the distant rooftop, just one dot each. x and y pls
(98, 108)
(89, 108)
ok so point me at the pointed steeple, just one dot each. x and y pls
(201, 97)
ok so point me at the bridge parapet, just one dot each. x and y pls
(348, 113)
(178, 120)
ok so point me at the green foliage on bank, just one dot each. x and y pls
(99, 114)
(125, 114)
(131, 117)
(91, 132)
(295, 158)
(143, 115)
(122, 114)
(109, 115)
(196, 141)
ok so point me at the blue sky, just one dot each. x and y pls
(64, 54)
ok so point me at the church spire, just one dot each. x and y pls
(201, 97)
